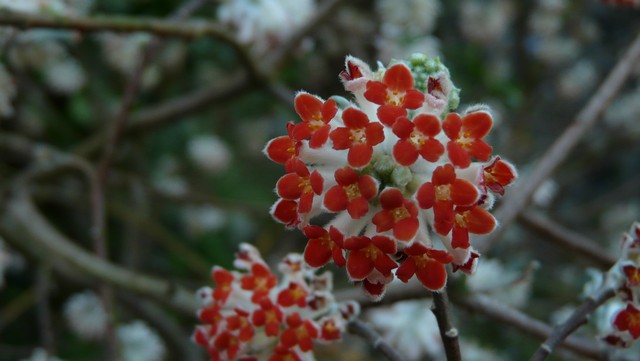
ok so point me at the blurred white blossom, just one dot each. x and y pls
(624, 113)
(204, 218)
(413, 17)
(410, 328)
(474, 352)
(138, 342)
(39, 354)
(578, 80)
(166, 178)
(86, 315)
(265, 23)
(209, 153)
(505, 285)
(65, 76)
(485, 22)
(545, 194)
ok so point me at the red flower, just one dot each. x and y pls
(316, 115)
(260, 281)
(633, 275)
(358, 135)
(417, 138)
(225, 342)
(286, 211)
(498, 175)
(329, 329)
(282, 353)
(299, 332)
(298, 183)
(470, 266)
(369, 253)
(283, 148)
(398, 213)
(375, 290)
(427, 264)
(223, 280)
(211, 315)
(443, 192)
(474, 219)
(394, 94)
(240, 323)
(628, 320)
(295, 294)
(466, 135)
(352, 193)
(323, 245)
(268, 315)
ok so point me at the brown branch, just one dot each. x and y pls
(365, 331)
(119, 24)
(577, 319)
(572, 241)
(448, 332)
(514, 318)
(517, 198)
(22, 217)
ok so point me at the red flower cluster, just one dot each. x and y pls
(626, 322)
(397, 168)
(249, 315)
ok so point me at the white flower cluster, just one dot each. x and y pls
(39, 354)
(86, 315)
(265, 23)
(485, 22)
(138, 342)
(406, 28)
(507, 286)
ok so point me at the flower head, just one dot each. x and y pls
(398, 171)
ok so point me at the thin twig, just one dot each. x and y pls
(365, 331)
(517, 198)
(45, 322)
(577, 319)
(509, 316)
(448, 332)
(573, 241)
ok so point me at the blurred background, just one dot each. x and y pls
(188, 181)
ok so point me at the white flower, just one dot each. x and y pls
(485, 21)
(40, 355)
(546, 192)
(578, 79)
(7, 92)
(65, 76)
(209, 153)
(265, 23)
(410, 327)
(413, 17)
(86, 315)
(138, 342)
(623, 113)
(507, 286)
(200, 219)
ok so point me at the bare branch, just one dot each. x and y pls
(573, 241)
(448, 332)
(517, 198)
(365, 331)
(577, 319)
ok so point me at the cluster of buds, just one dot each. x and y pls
(396, 167)
(626, 274)
(249, 315)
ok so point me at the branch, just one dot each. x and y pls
(119, 24)
(512, 317)
(573, 241)
(518, 198)
(365, 331)
(577, 319)
(448, 332)
(22, 214)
